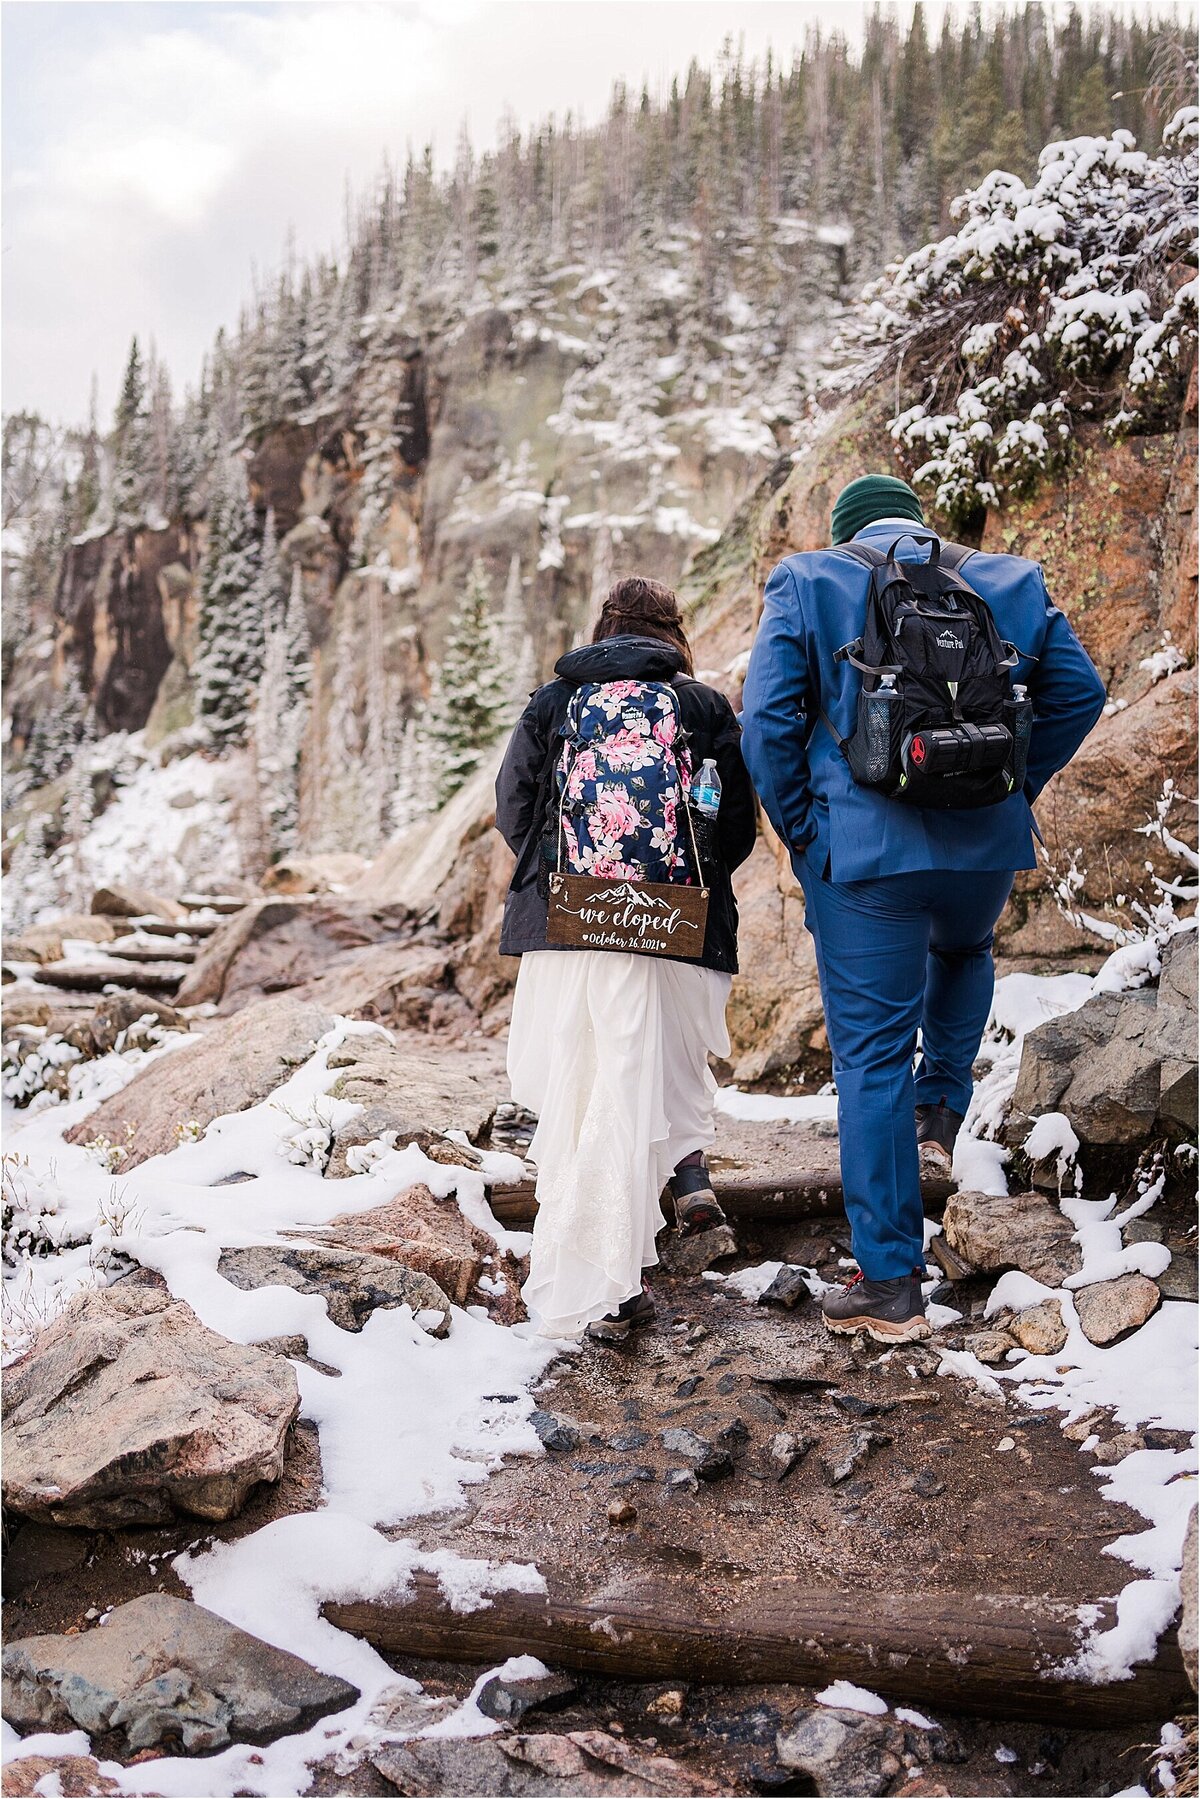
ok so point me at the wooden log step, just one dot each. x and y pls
(224, 903)
(798, 1193)
(997, 1655)
(163, 927)
(94, 977)
(148, 953)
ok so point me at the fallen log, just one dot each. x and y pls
(94, 977)
(996, 1655)
(785, 1198)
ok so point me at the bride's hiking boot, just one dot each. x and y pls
(889, 1311)
(696, 1207)
(630, 1316)
(937, 1130)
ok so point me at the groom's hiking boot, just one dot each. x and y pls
(696, 1207)
(889, 1311)
(630, 1316)
(937, 1131)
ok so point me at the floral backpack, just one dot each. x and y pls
(623, 778)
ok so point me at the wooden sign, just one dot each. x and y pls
(649, 918)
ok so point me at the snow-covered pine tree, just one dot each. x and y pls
(339, 824)
(28, 888)
(516, 644)
(58, 731)
(231, 625)
(415, 793)
(469, 704)
(281, 718)
(130, 443)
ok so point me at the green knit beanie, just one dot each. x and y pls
(869, 498)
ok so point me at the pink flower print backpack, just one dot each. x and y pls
(623, 781)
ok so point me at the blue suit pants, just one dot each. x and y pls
(897, 954)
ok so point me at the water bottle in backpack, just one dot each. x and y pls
(706, 790)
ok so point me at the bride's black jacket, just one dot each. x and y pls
(524, 785)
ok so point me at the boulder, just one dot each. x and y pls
(428, 1235)
(1172, 1037)
(1015, 1230)
(842, 1751)
(1187, 1621)
(419, 1089)
(126, 1410)
(1111, 1309)
(1111, 785)
(1097, 1065)
(96, 1033)
(71, 1775)
(232, 1064)
(331, 873)
(775, 1017)
(352, 1285)
(586, 1762)
(162, 1670)
(399, 984)
(1040, 1329)
(412, 870)
(276, 944)
(134, 902)
(44, 942)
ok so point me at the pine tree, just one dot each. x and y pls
(415, 793)
(516, 644)
(470, 700)
(281, 718)
(59, 730)
(340, 752)
(130, 443)
(231, 625)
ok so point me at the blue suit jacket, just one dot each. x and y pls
(815, 603)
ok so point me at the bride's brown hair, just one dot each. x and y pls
(639, 607)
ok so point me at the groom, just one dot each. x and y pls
(900, 900)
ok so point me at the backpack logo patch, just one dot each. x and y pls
(948, 641)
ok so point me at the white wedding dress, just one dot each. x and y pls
(611, 1052)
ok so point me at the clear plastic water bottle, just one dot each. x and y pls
(706, 790)
(877, 712)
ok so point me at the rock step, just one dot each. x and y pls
(224, 903)
(94, 977)
(999, 1655)
(163, 927)
(147, 953)
(800, 1193)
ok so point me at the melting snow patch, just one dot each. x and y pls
(770, 1108)
(847, 1697)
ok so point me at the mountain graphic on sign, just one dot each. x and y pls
(638, 896)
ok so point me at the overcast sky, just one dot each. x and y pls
(155, 152)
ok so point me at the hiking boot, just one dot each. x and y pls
(630, 1316)
(937, 1130)
(696, 1207)
(889, 1311)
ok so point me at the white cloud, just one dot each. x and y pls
(155, 155)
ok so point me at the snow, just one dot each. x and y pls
(847, 1697)
(407, 1424)
(769, 1108)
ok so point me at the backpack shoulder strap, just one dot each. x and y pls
(954, 555)
(861, 552)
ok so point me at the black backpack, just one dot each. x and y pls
(940, 723)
